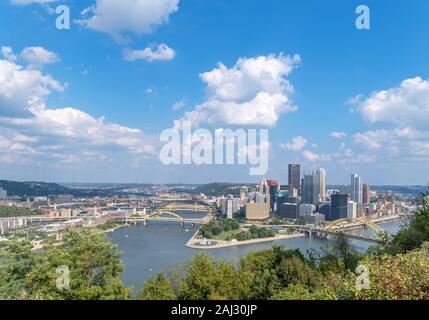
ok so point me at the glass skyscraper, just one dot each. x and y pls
(356, 188)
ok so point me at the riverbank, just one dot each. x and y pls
(194, 242)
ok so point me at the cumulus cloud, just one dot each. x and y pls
(297, 144)
(23, 90)
(406, 104)
(160, 52)
(313, 157)
(28, 125)
(38, 57)
(253, 92)
(137, 16)
(337, 134)
(7, 52)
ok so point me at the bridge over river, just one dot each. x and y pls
(351, 228)
(168, 213)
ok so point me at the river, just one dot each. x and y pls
(160, 246)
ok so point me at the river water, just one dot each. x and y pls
(161, 246)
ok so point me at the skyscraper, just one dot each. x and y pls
(339, 206)
(273, 187)
(314, 187)
(366, 194)
(258, 207)
(319, 184)
(307, 189)
(295, 175)
(356, 187)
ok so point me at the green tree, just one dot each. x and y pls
(209, 279)
(158, 288)
(93, 263)
(414, 234)
(394, 277)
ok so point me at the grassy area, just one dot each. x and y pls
(226, 235)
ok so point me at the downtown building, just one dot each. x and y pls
(339, 206)
(313, 188)
(366, 194)
(294, 176)
(356, 188)
(230, 206)
(258, 205)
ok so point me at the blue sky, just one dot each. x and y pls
(360, 98)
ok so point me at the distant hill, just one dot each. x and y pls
(218, 189)
(410, 191)
(34, 189)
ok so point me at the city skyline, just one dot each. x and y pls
(89, 104)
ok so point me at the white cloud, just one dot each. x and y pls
(28, 126)
(419, 148)
(23, 90)
(373, 139)
(160, 52)
(313, 157)
(137, 16)
(37, 57)
(253, 92)
(178, 105)
(337, 134)
(7, 52)
(407, 104)
(297, 144)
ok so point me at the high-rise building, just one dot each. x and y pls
(230, 206)
(366, 197)
(356, 187)
(258, 207)
(352, 209)
(339, 206)
(288, 211)
(313, 189)
(319, 189)
(273, 187)
(307, 189)
(294, 175)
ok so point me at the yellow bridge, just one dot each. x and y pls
(163, 215)
(345, 226)
(185, 207)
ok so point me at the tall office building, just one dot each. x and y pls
(314, 187)
(258, 207)
(307, 189)
(352, 209)
(366, 197)
(339, 206)
(320, 184)
(230, 206)
(273, 187)
(294, 175)
(356, 187)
